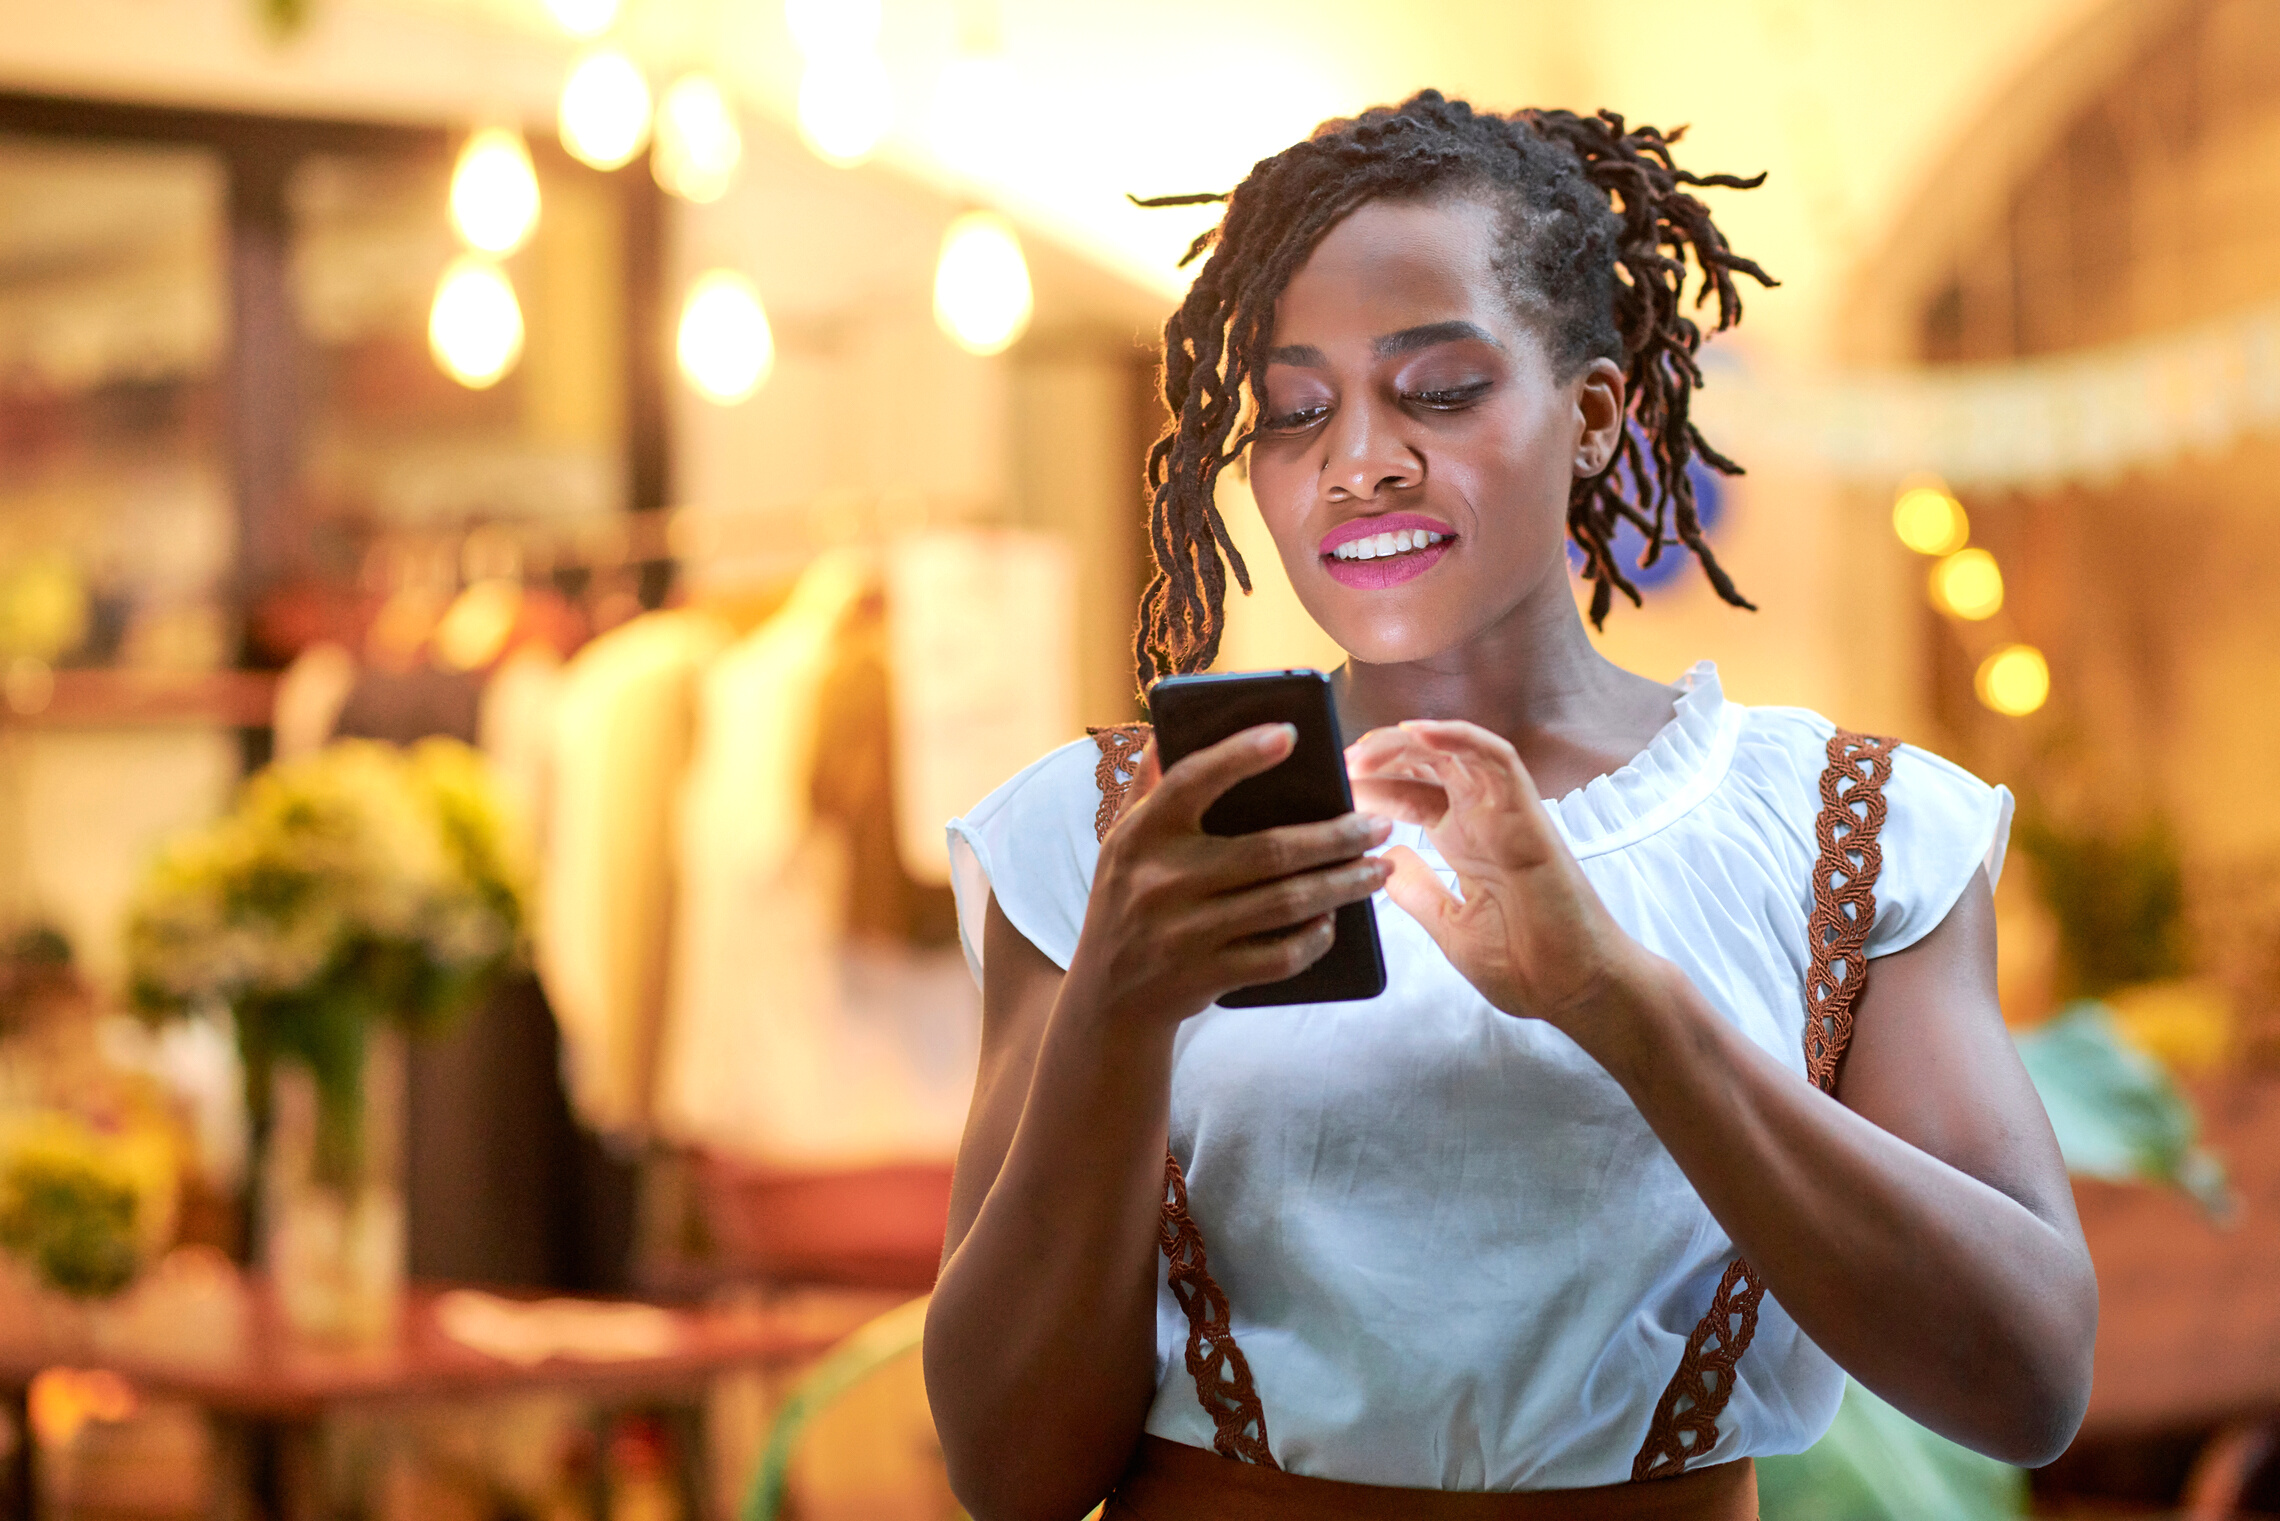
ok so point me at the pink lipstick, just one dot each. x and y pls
(1376, 552)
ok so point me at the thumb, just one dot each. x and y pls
(1419, 893)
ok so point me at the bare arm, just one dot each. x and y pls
(1040, 1343)
(1920, 1230)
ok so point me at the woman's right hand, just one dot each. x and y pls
(1179, 917)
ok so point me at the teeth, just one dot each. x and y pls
(1379, 545)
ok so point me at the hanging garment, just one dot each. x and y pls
(621, 742)
(1452, 1252)
(786, 1045)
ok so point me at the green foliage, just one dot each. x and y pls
(2118, 1114)
(2119, 899)
(1877, 1465)
(360, 884)
(70, 1216)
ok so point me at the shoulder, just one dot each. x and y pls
(1031, 845)
(1942, 824)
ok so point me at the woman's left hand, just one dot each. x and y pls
(1525, 927)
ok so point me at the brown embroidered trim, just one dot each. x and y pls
(1222, 1375)
(1844, 910)
(1120, 749)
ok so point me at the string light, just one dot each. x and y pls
(583, 18)
(698, 142)
(494, 192)
(475, 328)
(724, 344)
(605, 110)
(1968, 584)
(2014, 681)
(1930, 521)
(847, 103)
(982, 297)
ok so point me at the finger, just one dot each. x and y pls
(1411, 802)
(1197, 781)
(1419, 893)
(1390, 755)
(1268, 854)
(1252, 962)
(1488, 759)
(1146, 772)
(1277, 906)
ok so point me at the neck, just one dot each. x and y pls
(1533, 677)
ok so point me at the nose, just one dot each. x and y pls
(1364, 454)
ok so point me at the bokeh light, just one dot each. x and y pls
(724, 344)
(2014, 681)
(494, 192)
(605, 110)
(982, 297)
(847, 103)
(475, 328)
(698, 141)
(1930, 521)
(1968, 584)
(583, 18)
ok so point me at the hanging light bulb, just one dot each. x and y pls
(494, 192)
(605, 109)
(475, 328)
(2014, 681)
(583, 18)
(847, 103)
(1968, 584)
(981, 284)
(698, 142)
(1930, 521)
(724, 344)
(832, 28)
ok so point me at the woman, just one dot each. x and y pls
(1556, 1212)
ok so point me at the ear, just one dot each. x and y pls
(1599, 415)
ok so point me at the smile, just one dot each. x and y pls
(1386, 550)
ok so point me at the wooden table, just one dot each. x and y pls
(268, 1395)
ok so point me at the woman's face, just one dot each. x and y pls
(1415, 445)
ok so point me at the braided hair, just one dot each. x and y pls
(1597, 230)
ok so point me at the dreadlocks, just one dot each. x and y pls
(1597, 233)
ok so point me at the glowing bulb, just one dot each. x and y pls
(583, 18)
(605, 110)
(846, 105)
(475, 328)
(832, 28)
(981, 286)
(1930, 522)
(494, 192)
(698, 143)
(2015, 680)
(725, 348)
(1968, 584)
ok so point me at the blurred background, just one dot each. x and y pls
(519, 519)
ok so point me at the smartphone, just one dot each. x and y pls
(1194, 712)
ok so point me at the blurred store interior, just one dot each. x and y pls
(615, 475)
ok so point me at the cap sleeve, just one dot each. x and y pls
(1941, 825)
(1031, 845)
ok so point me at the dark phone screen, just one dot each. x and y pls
(1194, 712)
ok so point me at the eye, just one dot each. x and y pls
(1448, 398)
(1297, 420)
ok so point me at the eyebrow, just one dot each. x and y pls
(1408, 340)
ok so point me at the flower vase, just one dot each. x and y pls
(333, 1213)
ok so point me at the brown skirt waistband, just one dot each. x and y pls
(1169, 1481)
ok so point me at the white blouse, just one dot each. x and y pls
(1456, 1256)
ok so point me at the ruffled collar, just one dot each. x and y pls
(1680, 767)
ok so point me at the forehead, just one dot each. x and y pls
(1393, 265)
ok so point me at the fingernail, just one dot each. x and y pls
(1277, 734)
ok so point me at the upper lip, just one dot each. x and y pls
(1370, 528)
